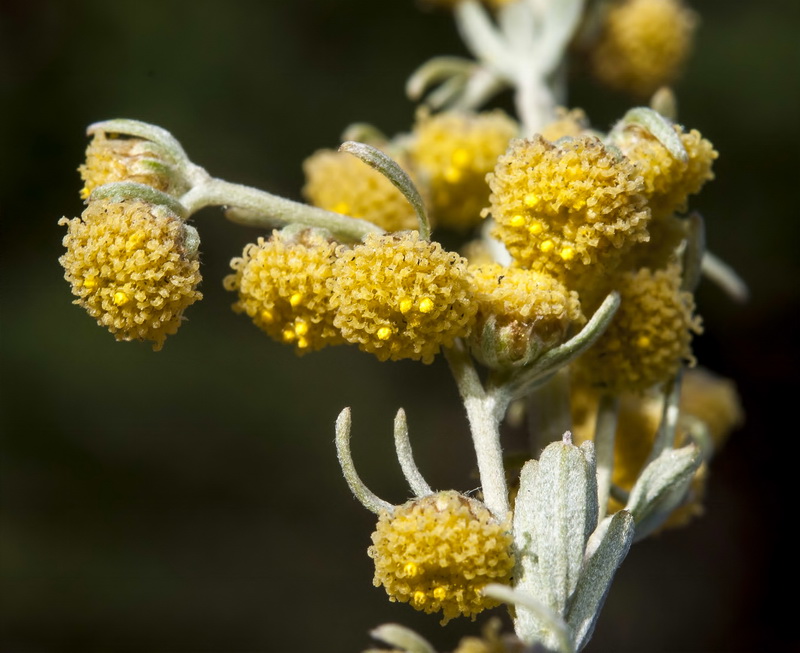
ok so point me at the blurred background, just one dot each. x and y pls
(190, 500)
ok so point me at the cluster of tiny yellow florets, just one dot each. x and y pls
(528, 312)
(454, 151)
(643, 44)
(399, 296)
(133, 267)
(438, 552)
(668, 181)
(649, 337)
(125, 159)
(283, 287)
(560, 206)
(340, 182)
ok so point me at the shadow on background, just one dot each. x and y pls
(189, 500)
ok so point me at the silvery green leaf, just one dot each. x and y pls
(389, 168)
(555, 513)
(142, 130)
(659, 127)
(118, 191)
(604, 555)
(402, 638)
(725, 277)
(435, 71)
(661, 487)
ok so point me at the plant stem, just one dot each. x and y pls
(484, 412)
(604, 436)
(260, 208)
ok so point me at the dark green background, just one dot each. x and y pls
(189, 500)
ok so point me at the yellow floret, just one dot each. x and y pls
(126, 159)
(649, 337)
(137, 292)
(589, 209)
(340, 182)
(282, 286)
(373, 284)
(643, 44)
(526, 313)
(455, 547)
(668, 181)
(454, 151)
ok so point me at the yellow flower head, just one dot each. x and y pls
(565, 205)
(648, 338)
(282, 286)
(454, 151)
(438, 552)
(521, 313)
(643, 45)
(668, 181)
(398, 296)
(572, 124)
(133, 266)
(340, 182)
(127, 159)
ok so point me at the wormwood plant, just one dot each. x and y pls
(571, 299)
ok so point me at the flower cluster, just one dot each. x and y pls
(133, 266)
(569, 204)
(438, 552)
(650, 335)
(282, 285)
(454, 151)
(398, 296)
(643, 44)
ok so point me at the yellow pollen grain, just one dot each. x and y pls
(288, 335)
(547, 246)
(406, 305)
(452, 175)
(411, 569)
(517, 221)
(535, 228)
(120, 298)
(85, 192)
(643, 342)
(419, 598)
(531, 200)
(384, 333)
(135, 240)
(302, 343)
(267, 316)
(568, 253)
(301, 327)
(440, 593)
(426, 305)
(295, 299)
(89, 282)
